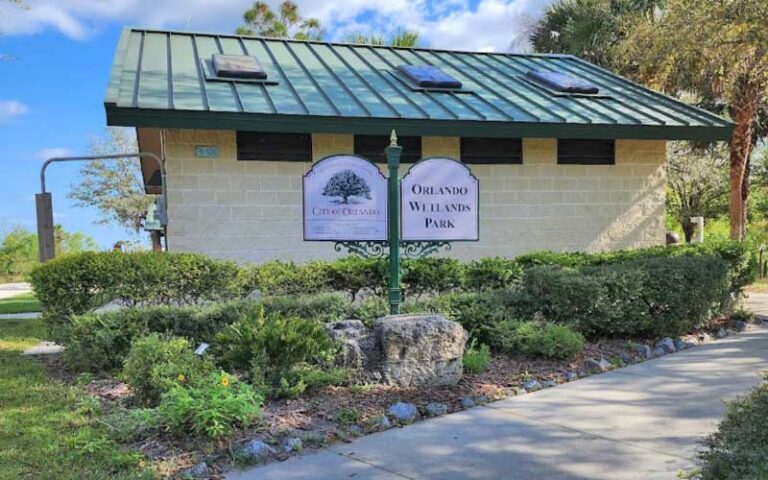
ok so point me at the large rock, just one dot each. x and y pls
(420, 350)
(403, 350)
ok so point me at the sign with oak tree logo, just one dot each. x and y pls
(345, 199)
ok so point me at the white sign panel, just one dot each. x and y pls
(345, 198)
(439, 201)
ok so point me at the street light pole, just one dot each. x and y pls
(44, 202)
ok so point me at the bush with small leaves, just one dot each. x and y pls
(157, 363)
(213, 405)
(539, 339)
(476, 358)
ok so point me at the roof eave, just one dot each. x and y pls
(186, 119)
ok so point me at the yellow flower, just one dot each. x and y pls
(225, 381)
(181, 377)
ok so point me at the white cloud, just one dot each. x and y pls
(46, 153)
(490, 25)
(11, 108)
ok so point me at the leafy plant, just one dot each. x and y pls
(156, 363)
(540, 339)
(212, 406)
(476, 358)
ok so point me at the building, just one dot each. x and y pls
(569, 156)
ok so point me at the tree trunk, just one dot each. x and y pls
(687, 226)
(744, 111)
(157, 245)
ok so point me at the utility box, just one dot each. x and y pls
(45, 241)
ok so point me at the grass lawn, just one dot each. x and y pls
(45, 430)
(26, 302)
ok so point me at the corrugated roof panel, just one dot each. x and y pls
(221, 96)
(159, 80)
(285, 98)
(153, 81)
(185, 80)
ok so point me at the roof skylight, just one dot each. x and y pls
(237, 67)
(428, 76)
(563, 82)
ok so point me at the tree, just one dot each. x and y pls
(261, 20)
(718, 49)
(114, 187)
(697, 179)
(589, 29)
(19, 249)
(400, 38)
(346, 184)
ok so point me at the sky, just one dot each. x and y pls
(56, 56)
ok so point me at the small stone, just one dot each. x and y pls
(738, 326)
(705, 337)
(256, 451)
(481, 399)
(597, 366)
(383, 423)
(532, 385)
(549, 384)
(659, 352)
(199, 470)
(467, 403)
(436, 409)
(667, 344)
(644, 351)
(627, 358)
(356, 430)
(571, 376)
(722, 333)
(679, 344)
(293, 445)
(403, 413)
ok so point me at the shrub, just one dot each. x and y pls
(156, 363)
(492, 273)
(476, 358)
(212, 406)
(355, 274)
(288, 278)
(431, 275)
(322, 307)
(371, 308)
(306, 378)
(99, 342)
(73, 284)
(273, 346)
(739, 448)
(539, 339)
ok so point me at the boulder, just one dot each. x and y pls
(738, 326)
(403, 413)
(294, 444)
(571, 376)
(436, 409)
(667, 344)
(256, 451)
(679, 344)
(532, 385)
(419, 350)
(643, 350)
(199, 470)
(403, 350)
(596, 366)
(467, 403)
(722, 333)
(659, 352)
(549, 384)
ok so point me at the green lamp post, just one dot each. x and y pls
(393, 152)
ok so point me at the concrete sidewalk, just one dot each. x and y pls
(8, 290)
(645, 422)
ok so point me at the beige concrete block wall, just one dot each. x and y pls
(250, 211)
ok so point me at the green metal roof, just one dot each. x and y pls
(159, 79)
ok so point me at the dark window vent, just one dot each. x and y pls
(372, 147)
(286, 147)
(479, 150)
(428, 76)
(586, 152)
(563, 82)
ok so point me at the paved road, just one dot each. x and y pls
(12, 289)
(641, 422)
